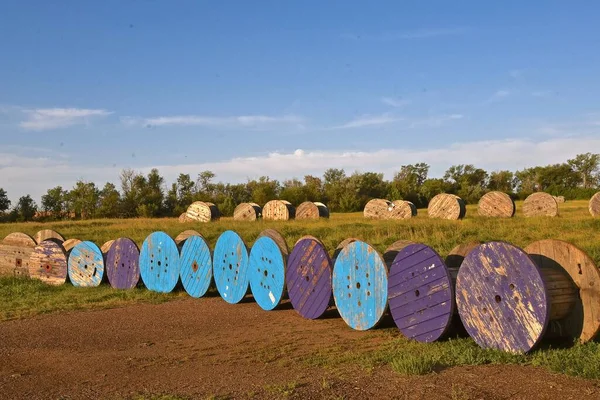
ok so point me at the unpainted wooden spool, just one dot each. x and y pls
(106, 246)
(69, 244)
(540, 204)
(583, 322)
(392, 250)
(378, 209)
(496, 204)
(86, 265)
(230, 267)
(446, 206)
(457, 255)
(46, 234)
(48, 263)
(310, 210)
(402, 209)
(184, 218)
(15, 250)
(185, 234)
(594, 205)
(202, 211)
(159, 263)
(122, 264)
(195, 265)
(278, 210)
(266, 264)
(247, 212)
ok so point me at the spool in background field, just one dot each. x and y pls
(48, 263)
(594, 205)
(202, 211)
(377, 209)
(446, 206)
(278, 210)
(46, 234)
(403, 210)
(159, 263)
(122, 264)
(184, 235)
(195, 266)
(230, 267)
(247, 212)
(267, 272)
(184, 218)
(496, 204)
(86, 265)
(15, 250)
(540, 204)
(310, 210)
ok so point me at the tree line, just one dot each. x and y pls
(148, 195)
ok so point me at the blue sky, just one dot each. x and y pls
(290, 88)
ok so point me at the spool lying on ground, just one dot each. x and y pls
(308, 277)
(46, 234)
(378, 209)
(184, 218)
(106, 246)
(496, 204)
(594, 205)
(506, 301)
(540, 204)
(420, 293)
(230, 267)
(390, 253)
(48, 263)
(446, 206)
(202, 211)
(310, 210)
(584, 321)
(15, 250)
(122, 264)
(195, 268)
(86, 265)
(69, 244)
(360, 285)
(402, 209)
(185, 234)
(266, 266)
(159, 263)
(278, 210)
(247, 212)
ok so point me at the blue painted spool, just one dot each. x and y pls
(267, 273)
(195, 266)
(86, 265)
(230, 267)
(159, 263)
(360, 285)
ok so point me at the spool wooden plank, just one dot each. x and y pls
(122, 264)
(341, 246)
(278, 210)
(457, 255)
(159, 263)
(402, 209)
(390, 253)
(446, 206)
(15, 250)
(69, 244)
(584, 321)
(359, 285)
(202, 211)
(48, 263)
(267, 272)
(378, 209)
(86, 265)
(594, 205)
(278, 238)
(195, 266)
(46, 234)
(496, 204)
(106, 246)
(540, 204)
(310, 210)
(230, 267)
(184, 218)
(308, 277)
(186, 234)
(247, 212)
(421, 293)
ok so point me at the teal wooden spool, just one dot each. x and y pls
(230, 267)
(195, 264)
(267, 273)
(86, 265)
(159, 263)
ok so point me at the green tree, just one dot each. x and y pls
(83, 200)
(204, 185)
(334, 186)
(466, 181)
(588, 167)
(4, 201)
(314, 188)
(293, 191)
(130, 191)
(25, 209)
(503, 181)
(109, 201)
(55, 203)
(407, 183)
(263, 189)
(432, 187)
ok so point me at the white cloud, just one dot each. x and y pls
(390, 101)
(369, 120)
(40, 119)
(247, 121)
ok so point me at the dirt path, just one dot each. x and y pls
(209, 349)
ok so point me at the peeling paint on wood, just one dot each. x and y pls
(278, 238)
(195, 266)
(15, 250)
(496, 204)
(86, 265)
(159, 263)
(122, 264)
(48, 263)
(230, 267)
(267, 272)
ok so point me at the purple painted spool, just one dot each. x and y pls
(122, 264)
(420, 293)
(308, 277)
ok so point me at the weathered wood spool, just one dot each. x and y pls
(583, 321)
(378, 209)
(106, 246)
(159, 263)
(278, 238)
(184, 218)
(308, 277)
(559, 199)
(195, 264)
(184, 235)
(278, 210)
(46, 234)
(392, 250)
(86, 265)
(496, 204)
(202, 211)
(230, 267)
(540, 204)
(340, 247)
(69, 244)
(247, 212)
(506, 301)
(310, 210)
(446, 206)
(594, 205)
(360, 285)
(122, 264)
(402, 209)
(48, 262)
(266, 264)
(15, 250)
(420, 293)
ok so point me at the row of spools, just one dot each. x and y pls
(504, 297)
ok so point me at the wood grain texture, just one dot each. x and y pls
(392, 250)
(583, 321)
(308, 277)
(122, 264)
(195, 266)
(86, 265)
(311, 210)
(15, 250)
(278, 238)
(48, 263)
(496, 204)
(247, 212)
(446, 206)
(594, 205)
(378, 209)
(540, 204)
(184, 218)
(278, 210)
(359, 285)
(402, 209)
(185, 234)
(340, 247)
(106, 246)
(69, 244)
(159, 263)
(202, 211)
(230, 267)
(501, 298)
(420, 293)
(45, 234)
(267, 272)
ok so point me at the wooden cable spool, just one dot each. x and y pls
(446, 206)
(86, 265)
(392, 250)
(184, 218)
(457, 255)
(496, 204)
(594, 205)
(341, 245)
(48, 263)
(359, 284)
(278, 210)
(540, 204)
(184, 235)
(559, 199)
(421, 293)
(15, 250)
(159, 263)
(308, 277)
(202, 211)
(247, 212)
(310, 210)
(402, 209)
(267, 264)
(278, 238)
(378, 209)
(230, 267)
(46, 234)
(122, 264)
(106, 246)
(195, 265)
(69, 244)
(506, 301)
